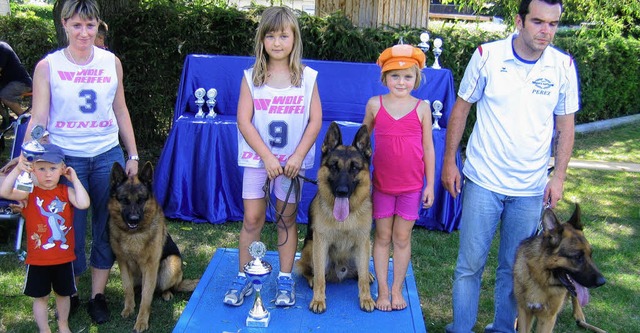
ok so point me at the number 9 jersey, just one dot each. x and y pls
(81, 117)
(281, 117)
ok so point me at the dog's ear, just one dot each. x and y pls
(552, 227)
(575, 218)
(146, 175)
(332, 139)
(118, 176)
(362, 142)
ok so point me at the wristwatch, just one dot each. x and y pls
(134, 157)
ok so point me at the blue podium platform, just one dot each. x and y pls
(205, 311)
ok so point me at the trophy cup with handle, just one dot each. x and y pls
(211, 102)
(437, 51)
(199, 93)
(424, 45)
(257, 271)
(437, 107)
(30, 150)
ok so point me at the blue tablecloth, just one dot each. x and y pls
(197, 176)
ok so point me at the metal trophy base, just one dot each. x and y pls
(24, 187)
(263, 322)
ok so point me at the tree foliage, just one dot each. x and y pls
(603, 17)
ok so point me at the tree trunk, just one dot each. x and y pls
(5, 9)
(108, 10)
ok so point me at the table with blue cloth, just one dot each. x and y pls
(198, 178)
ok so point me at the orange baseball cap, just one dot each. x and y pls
(401, 57)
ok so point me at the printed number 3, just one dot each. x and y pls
(278, 134)
(89, 101)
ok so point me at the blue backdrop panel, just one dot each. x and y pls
(205, 311)
(197, 176)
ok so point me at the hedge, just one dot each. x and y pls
(153, 40)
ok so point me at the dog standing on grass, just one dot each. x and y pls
(548, 268)
(338, 236)
(145, 252)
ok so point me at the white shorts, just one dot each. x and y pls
(254, 179)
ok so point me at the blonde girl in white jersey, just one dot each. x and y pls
(279, 118)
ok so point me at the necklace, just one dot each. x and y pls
(84, 61)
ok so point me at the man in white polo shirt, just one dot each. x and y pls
(524, 91)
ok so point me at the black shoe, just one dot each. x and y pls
(98, 309)
(75, 304)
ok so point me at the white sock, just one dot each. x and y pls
(280, 274)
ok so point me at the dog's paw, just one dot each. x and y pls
(141, 326)
(126, 312)
(167, 295)
(318, 306)
(367, 304)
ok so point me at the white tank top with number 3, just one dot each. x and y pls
(81, 117)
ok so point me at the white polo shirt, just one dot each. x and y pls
(509, 149)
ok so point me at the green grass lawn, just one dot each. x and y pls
(610, 203)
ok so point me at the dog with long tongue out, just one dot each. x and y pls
(338, 240)
(551, 266)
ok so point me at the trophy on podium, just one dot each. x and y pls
(257, 271)
(199, 93)
(437, 51)
(211, 102)
(437, 107)
(30, 150)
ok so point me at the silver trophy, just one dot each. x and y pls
(424, 45)
(199, 93)
(30, 150)
(257, 271)
(211, 102)
(437, 107)
(437, 51)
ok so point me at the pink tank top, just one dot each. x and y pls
(398, 165)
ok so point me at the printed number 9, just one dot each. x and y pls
(278, 134)
(89, 101)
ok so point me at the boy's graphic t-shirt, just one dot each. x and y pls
(281, 117)
(49, 225)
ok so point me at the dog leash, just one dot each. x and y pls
(540, 228)
(293, 186)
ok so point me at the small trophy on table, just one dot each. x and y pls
(424, 45)
(257, 271)
(437, 107)
(30, 150)
(199, 93)
(437, 51)
(211, 102)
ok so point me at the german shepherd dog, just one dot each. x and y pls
(146, 254)
(548, 268)
(338, 243)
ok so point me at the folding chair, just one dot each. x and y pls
(7, 214)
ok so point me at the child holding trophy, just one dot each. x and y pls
(275, 147)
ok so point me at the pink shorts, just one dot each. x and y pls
(405, 205)
(253, 180)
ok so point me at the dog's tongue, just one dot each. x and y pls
(341, 209)
(582, 293)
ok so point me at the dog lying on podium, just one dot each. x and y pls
(338, 241)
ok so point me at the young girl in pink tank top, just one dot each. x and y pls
(403, 156)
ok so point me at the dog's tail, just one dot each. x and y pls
(187, 285)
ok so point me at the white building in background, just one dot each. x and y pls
(304, 5)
